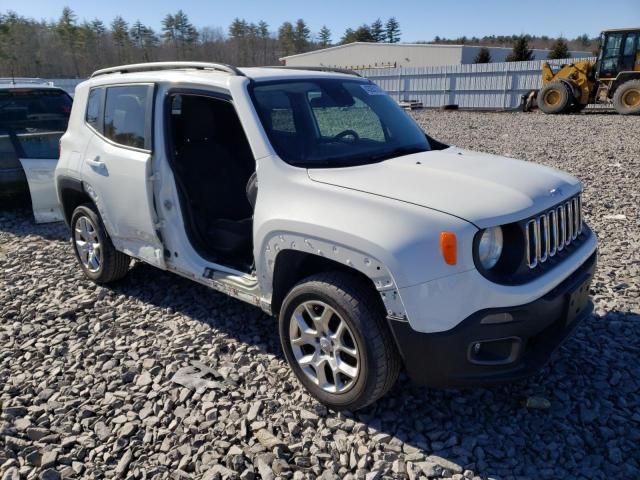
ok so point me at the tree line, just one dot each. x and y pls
(69, 47)
(522, 51)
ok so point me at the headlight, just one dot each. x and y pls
(490, 247)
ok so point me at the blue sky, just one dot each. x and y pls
(419, 19)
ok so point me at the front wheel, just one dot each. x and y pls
(97, 256)
(554, 97)
(626, 99)
(335, 337)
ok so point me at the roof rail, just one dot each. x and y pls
(29, 80)
(151, 66)
(346, 71)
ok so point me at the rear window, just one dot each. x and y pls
(34, 120)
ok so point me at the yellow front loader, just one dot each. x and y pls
(613, 79)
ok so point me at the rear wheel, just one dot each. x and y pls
(337, 341)
(626, 99)
(97, 256)
(554, 97)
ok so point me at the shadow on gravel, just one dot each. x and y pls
(591, 383)
(17, 219)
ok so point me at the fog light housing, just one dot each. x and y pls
(499, 351)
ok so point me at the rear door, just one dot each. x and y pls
(117, 167)
(32, 120)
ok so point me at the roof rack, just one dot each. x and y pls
(346, 71)
(23, 80)
(152, 66)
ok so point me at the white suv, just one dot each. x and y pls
(312, 195)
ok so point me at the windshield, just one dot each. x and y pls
(335, 122)
(34, 119)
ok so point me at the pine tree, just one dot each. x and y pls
(324, 37)
(559, 49)
(286, 38)
(484, 56)
(392, 30)
(238, 28)
(97, 26)
(377, 31)
(263, 33)
(521, 51)
(348, 36)
(301, 36)
(177, 29)
(69, 33)
(144, 38)
(120, 36)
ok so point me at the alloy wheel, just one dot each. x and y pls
(88, 244)
(324, 346)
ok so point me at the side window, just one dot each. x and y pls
(93, 108)
(127, 115)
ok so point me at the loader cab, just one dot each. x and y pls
(619, 52)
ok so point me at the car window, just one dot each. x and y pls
(127, 115)
(333, 120)
(93, 108)
(36, 118)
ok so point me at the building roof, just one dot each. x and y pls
(399, 45)
(373, 44)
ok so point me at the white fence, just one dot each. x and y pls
(495, 86)
(491, 86)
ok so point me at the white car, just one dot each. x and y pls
(313, 196)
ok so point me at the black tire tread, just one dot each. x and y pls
(362, 297)
(617, 98)
(115, 264)
(556, 84)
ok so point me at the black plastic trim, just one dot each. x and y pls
(441, 359)
(512, 268)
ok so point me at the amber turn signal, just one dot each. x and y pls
(449, 247)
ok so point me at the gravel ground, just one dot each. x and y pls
(98, 382)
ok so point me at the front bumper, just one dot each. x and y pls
(501, 344)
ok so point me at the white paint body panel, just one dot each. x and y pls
(484, 189)
(40, 174)
(119, 178)
(383, 220)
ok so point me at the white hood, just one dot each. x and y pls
(484, 189)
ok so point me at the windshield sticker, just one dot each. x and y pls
(373, 89)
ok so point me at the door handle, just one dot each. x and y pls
(96, 162)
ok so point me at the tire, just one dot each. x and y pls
(373, 358)
(555, 97)
(626, 99)
(97, 256)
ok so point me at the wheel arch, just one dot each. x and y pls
(284, 266)
(620, 79)
(71, 194)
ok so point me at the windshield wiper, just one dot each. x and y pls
(397, 152)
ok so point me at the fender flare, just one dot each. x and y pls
(371, 267)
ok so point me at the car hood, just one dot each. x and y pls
(484, 189)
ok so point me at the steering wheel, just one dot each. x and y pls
(347, 133)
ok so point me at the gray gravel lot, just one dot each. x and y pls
(88, 374)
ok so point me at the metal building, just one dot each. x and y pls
(360, 55)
